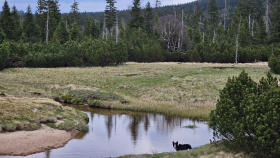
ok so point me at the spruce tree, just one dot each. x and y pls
(61, 33)
(17, 30)
(148, 17)
(74, 12)
(110, 14)
(213, 13)
(47, 17)
(276, 22)
(87, 31)
(29, 27)
(6, 21)
(137, 20)
(75, 32)
(213, 18)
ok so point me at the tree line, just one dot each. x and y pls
(223, 31)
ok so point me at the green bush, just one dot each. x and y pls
(274, 63)
(94, 103)
(4, 55)
(248, 115)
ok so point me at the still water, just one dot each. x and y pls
(114, 133)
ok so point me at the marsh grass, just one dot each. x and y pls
(185, 89)
(30, 113)
(191, 126)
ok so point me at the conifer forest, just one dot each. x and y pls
(219, 31)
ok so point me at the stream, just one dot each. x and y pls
(115, 133)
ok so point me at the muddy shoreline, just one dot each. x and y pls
(22, 143)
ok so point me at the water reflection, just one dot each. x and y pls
(114, 133)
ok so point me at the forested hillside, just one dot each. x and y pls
(225, 31)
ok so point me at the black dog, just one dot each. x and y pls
(181, 146)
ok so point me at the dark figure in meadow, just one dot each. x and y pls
(181, 146)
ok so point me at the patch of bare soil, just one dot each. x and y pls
(23, 143)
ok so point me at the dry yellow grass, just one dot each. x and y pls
(184, 89)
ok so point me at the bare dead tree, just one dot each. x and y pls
(236, 42)
(225, 14)
(267, 20)
(171, 31)
(103, 32)
(117, 28)
(47, 26)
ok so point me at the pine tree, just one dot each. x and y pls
(137, 20)
(29, 27)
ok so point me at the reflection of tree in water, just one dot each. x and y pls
(146, 123)
(48, 153)
(134, 126)
(109, 125)
(136, 120)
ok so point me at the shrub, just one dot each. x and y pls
(4, 55)
(94, 103)
(248, 114)
(274, 63)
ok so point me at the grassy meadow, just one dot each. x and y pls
(182, 89)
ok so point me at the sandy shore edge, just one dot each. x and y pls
(22, 143)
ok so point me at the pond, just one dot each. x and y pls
(115, 133)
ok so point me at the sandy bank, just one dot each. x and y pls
(23, 143)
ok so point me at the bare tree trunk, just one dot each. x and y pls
(103, 32)
(106, 32)
(253, 28)
(225, 14)
(203, 37)
(48, 16)
(249, 22)
(236, 42)
(236, 47)
(267, 20)
(214, 37)
(117, 28)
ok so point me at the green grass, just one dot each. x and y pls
(190, 126)
(186, 90)
(213, 150)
